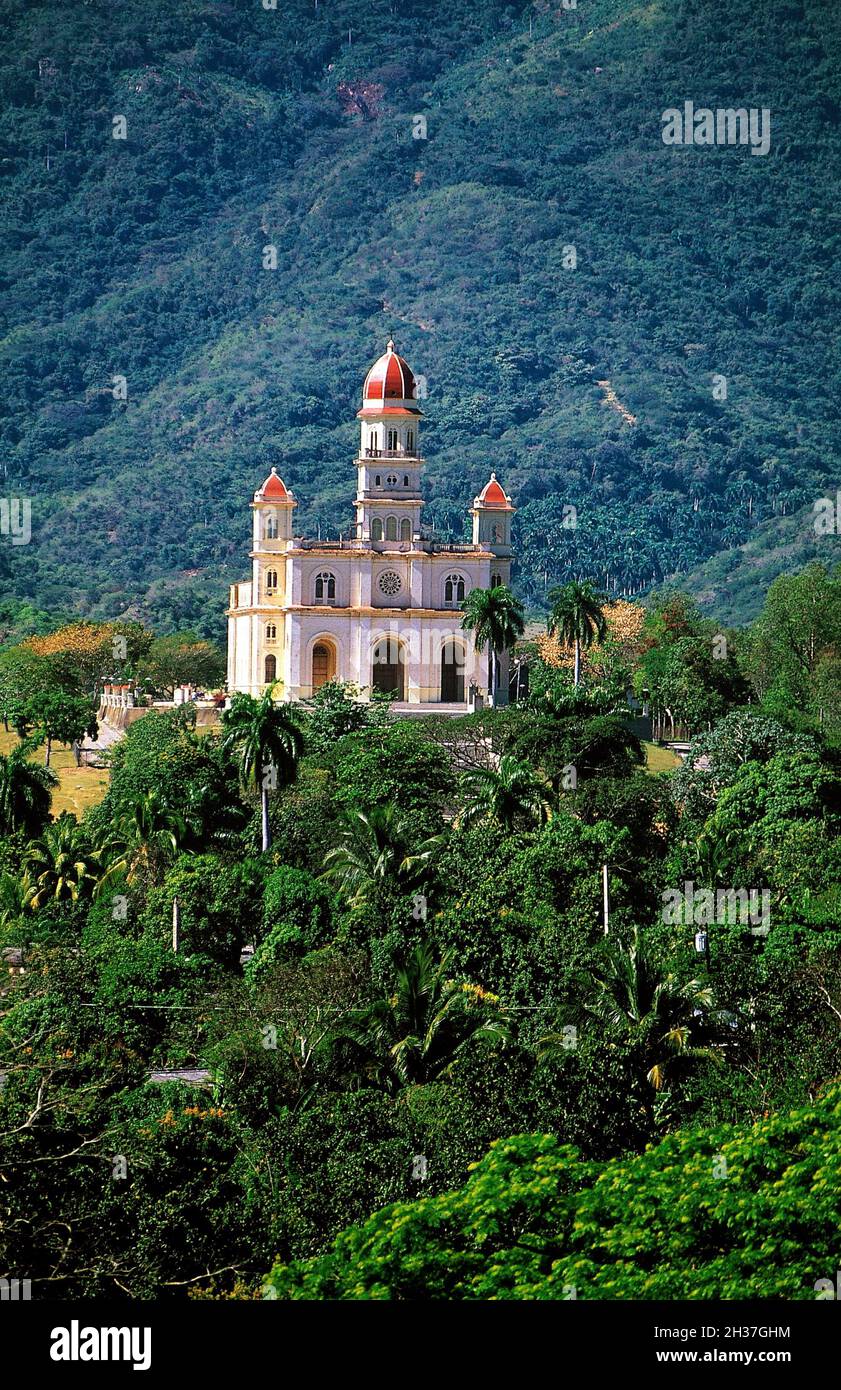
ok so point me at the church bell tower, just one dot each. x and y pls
(388, 496)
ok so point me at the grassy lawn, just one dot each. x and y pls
(79, 787)
(659, 759)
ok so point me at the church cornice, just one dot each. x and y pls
(315, 609)
(365, 611)
(378, 412)
(385, 499)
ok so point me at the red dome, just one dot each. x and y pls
(390, 379)
(492, 495)
(274, 489)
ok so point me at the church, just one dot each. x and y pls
(380, 607)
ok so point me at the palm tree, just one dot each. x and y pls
(510, 794)
(211, 823)
(495, 617)
(376, 849)
(25, 792)
(416, 1033)
(14, 895)
(148, 831)
(577, 618)
(63, 865)
(268, 745)
(653, 1012)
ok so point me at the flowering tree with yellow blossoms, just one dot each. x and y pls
(618, 650)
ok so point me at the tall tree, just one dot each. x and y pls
(180, 659)
(377, 848)
(62, 718)
(150, 831)
(577, 618)
(511, 794)
(268, 745)
(25, 792)
(495, 617)
(415, 1033)
(660, 1017)
(797, 630)
(23, 675)
(62, 863)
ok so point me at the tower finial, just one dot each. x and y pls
(389, 347)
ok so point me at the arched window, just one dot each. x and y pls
(271, 581)
(376, 529)
(325, 587)
(392, 440)
(497, 534)
(391, 528)
(410, 441)
(454, 589)
(405, 529)
(271, 632)
(405, 480)
(378, 482)
(271, 668)
(372, 442)
(270, 529)
(496, 580)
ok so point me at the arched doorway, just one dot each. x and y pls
(323, 664)
(270, 669)
(452, 674)
(387, 668)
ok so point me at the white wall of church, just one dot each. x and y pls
(356, 638)
(301, 615)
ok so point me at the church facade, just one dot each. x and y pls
(381, 607)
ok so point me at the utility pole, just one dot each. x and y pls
(176, 925)
(604, 896)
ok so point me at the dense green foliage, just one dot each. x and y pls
(141, 261)
(735, 1212)
(391, 957)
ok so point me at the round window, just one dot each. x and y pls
(390, 583)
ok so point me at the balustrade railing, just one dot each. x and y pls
(392, 454)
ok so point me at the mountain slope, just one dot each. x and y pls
(142, 258)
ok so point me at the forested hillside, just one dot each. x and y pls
(484, 1007)
(142, 258)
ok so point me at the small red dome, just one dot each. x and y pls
(274, 488)
(390, 379)
(492, 495)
